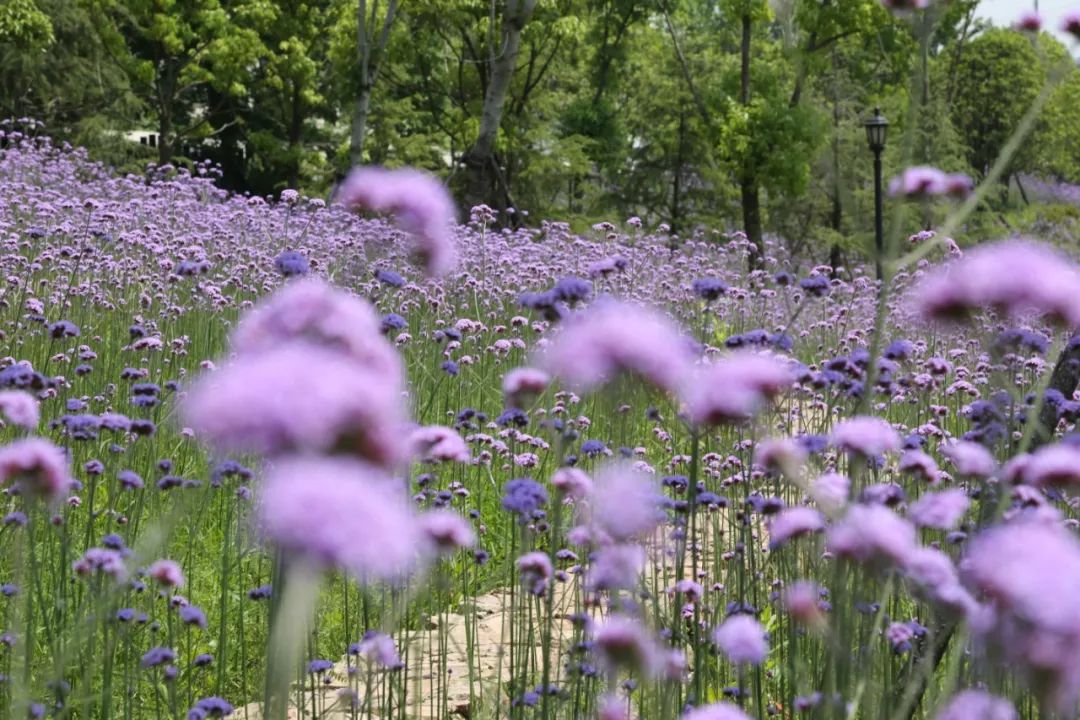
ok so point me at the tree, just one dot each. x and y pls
(173, 51)
(287, 92)
(766, 139)
(481, 168)
(372, 37)
(22, 23)
(997, 79)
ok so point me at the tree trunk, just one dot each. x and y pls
(748, 183)
(165, 131)
(166, 89)
(361, 110)
(676, 182)
(368, 55)
(481, 171)
(954, 62)
(836, 219)
(1065, 378)
(296, 129)
(1020, 187)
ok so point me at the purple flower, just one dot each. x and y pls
(572, 289)
(379, 648)
(742, 639)
(341, 514)
(299, 398)
(782, 455)
(815, 285)
(610, 337)
(593, 448)
(15, 517)
(166, 572)
(802, 599)
(918, 182)
(214, 707)
(129, 480)
(321, 314)
(419, 203)
(1049, 466)
(1029, 21)
(716, 711)
(865, 435)
(101, 560)
(888, 494)
(898, 350)
(972, 704)
(318, 667)
(20, 408)
(63, 329)
(157, 656)
(536, 570)
(436, 443)
(260, 593)
(521, 386)
(872, 532)
(446, 531)
(1011, 277)
(81, 427)
(389, 278)
(970, 458)
(735, 388)
(1029, 572)
(193, 615)
(572, 483)
(624, 642)
(830, 491)
(899, 636)
(615, 567)
(709, 289)
(936, 578)
(37, 466)
(793, 522)
(940, 510)
(921, 465)
(291, 263)
(391, 322)
(1070, 23)
(523, 497)
(625, 503)
(21, 375)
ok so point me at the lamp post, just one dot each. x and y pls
(876, 128)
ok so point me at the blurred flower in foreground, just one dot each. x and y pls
(971, 704)
(610, 337)
(39, 468)
(340, 514)
(419, 203)
(1012, 278)
(1029, 572)
(734, 388)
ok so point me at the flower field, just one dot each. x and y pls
(280, 457)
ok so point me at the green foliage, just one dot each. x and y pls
(1057, 143)
(998, 77)
(22, 23)
(615, 108)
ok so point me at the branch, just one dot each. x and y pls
(702, 110)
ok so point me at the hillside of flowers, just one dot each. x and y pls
(284, 457)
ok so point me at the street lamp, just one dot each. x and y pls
(876, 129)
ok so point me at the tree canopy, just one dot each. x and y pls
(742, 113)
